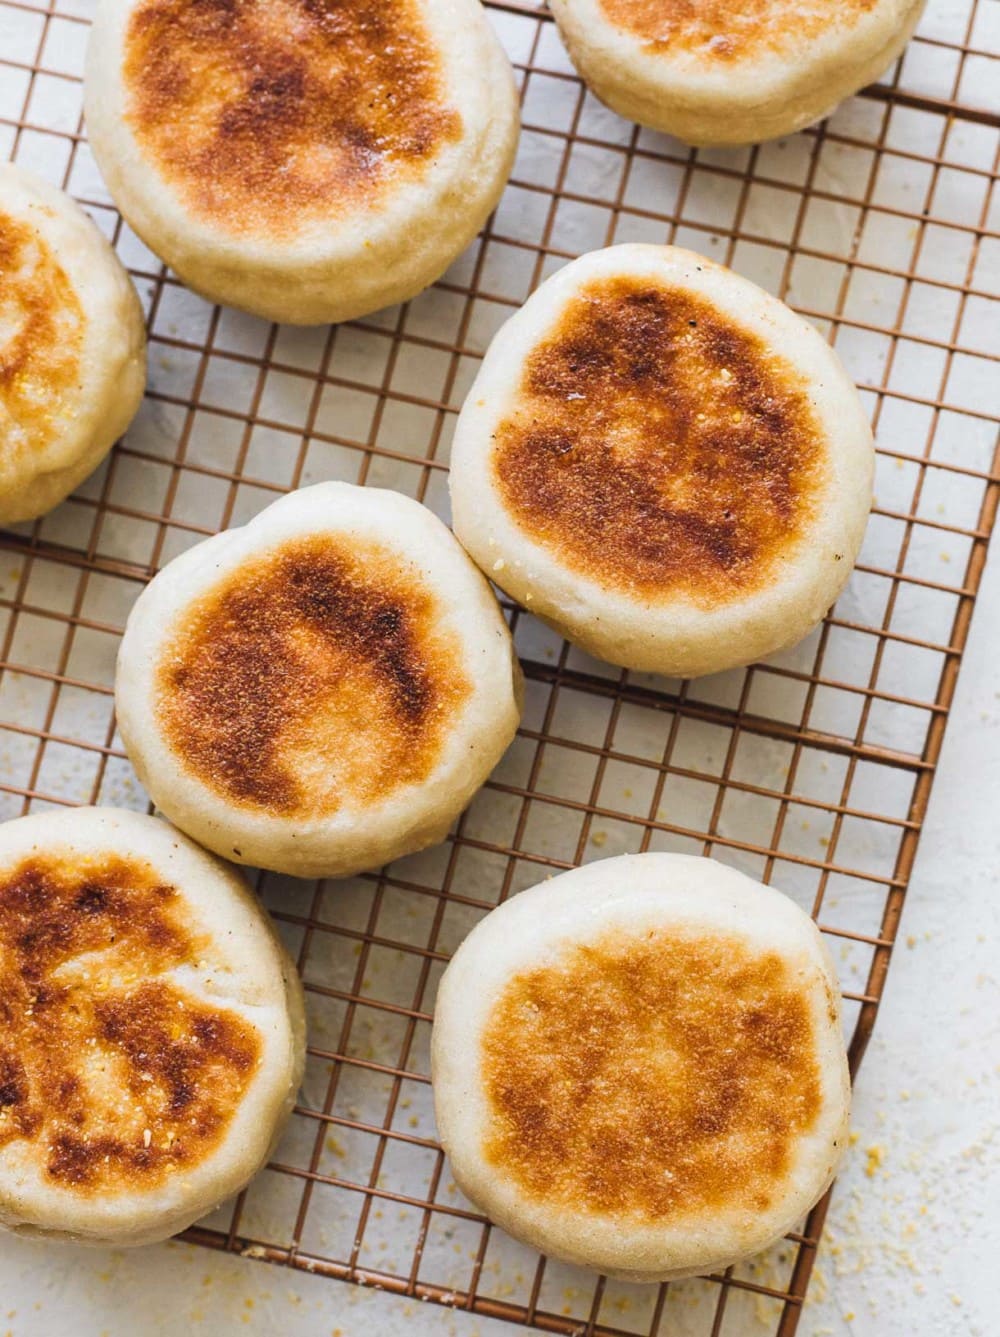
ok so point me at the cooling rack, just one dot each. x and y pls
(812, 770)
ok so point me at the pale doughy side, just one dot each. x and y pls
(323, 690)
(724, 90)
(160, 995)
(72, 346)
(614, 465)
(650, 1208)
(354, 252)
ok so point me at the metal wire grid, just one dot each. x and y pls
(813, 770)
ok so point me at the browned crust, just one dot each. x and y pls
(317, 676)
(116, 1077)
(264, 113)
(731, 29)
(40, 361)
(651, 1078)
(659, 448)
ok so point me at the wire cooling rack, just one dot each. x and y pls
(812, 771)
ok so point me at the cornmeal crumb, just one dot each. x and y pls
(876, 1155)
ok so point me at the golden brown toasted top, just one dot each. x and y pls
(115, 1074)
(651, 1077)
(317, 676)
(659, 448)
(730, 29)
(266, 113)
(41, 333)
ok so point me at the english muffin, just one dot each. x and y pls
(322, 691)
(732, 71)
(664, 462)
(305, 160)
(153, 1031)
(638, 1066)
(72, 346)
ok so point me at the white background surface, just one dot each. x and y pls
(914, 1233)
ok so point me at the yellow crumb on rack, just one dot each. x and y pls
(876, 1155)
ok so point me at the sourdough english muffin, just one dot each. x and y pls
(72, 346)
(663, 462)
(322, 691)
(153, 1034)
(638, 1066)
(306, 160)
(732, 71)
